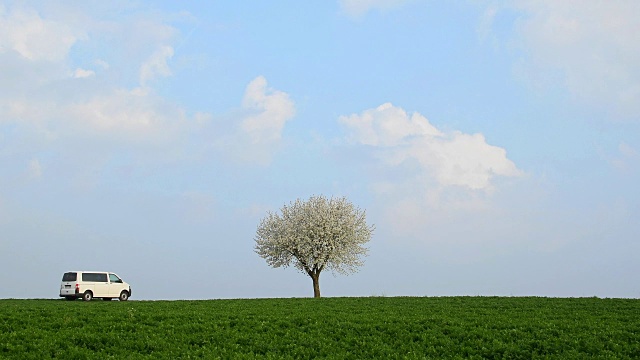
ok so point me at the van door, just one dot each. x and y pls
(68, 285)
(98, 283)
(115, 285)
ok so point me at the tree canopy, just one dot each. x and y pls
(314, 235)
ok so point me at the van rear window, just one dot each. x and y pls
(94, 277)
(70, 276)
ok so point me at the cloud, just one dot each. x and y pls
(119, 134)
(589, 47)
(252, 133)
(156, 65)
(82, 73)
(131, 115)
(627, 151)
(59, 102)
(387, 125)
(626, 159)
(357, 8)
(486, 22)
(80, 117)
(266, 111)
(103, 64)
(34, 38)
(270, 108)
(453, 159)
(53, 98)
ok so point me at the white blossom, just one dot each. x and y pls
(314, 235)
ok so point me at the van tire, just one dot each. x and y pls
(69, 298)
(124, 296)
(87, 296)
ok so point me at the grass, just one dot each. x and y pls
(339, 328)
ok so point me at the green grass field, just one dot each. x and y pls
(339, 328)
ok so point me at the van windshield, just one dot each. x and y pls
(70, 276)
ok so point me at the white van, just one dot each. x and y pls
(90, 284)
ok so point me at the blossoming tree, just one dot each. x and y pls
(314, 235)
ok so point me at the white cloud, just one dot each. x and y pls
(25, 32)
(119, 133)
(82, 111)
(486, 22)
(66, 100)
(107, 108)
(134, 115)
(156, 65)
(387, 125)
(454, 159)
(103, 64)
(592, 45)
(627, 151)
(427, 181)
(268, 110)
(626, 159)
(82, 73)
(271, 110)
(127, 116)
(357, 8)
(251, 133)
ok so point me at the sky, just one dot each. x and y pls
(494, 145)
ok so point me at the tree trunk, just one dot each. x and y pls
(316, 284)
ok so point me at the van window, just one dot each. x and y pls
(70, 276)
(94, 277)
(114, 279)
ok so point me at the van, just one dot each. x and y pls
(93, 284)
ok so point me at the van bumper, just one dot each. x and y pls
(70, 292)
(71, 296)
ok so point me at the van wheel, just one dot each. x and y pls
(87, 296)
(69, 298)
(124, 296)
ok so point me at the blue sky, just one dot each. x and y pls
(495, 145)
